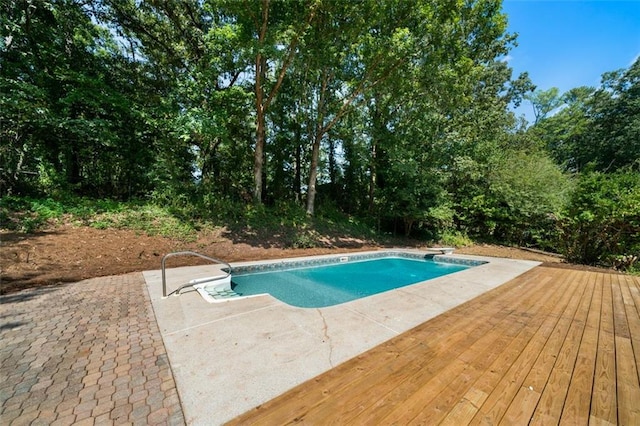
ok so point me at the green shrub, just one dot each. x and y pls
(455, 239)
(28, 214)
(602, 225)
(516, 198)
(306, 239)
(529, 192)
(149, 218)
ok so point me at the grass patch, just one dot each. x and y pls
(284, 225)
(287, 225)
(455, 239)
(149, 218)
(29, 215)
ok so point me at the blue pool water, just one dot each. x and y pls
(315, 287)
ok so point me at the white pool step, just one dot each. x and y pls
(214, 289)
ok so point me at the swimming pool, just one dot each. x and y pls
(326, 282)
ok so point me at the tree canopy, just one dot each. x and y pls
(396, 112)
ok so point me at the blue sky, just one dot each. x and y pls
(566, 44)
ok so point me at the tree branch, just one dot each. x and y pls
(290, 54)
(360, 89)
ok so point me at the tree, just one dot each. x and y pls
(197, 51)
(393, 110)
(353, 49)
(68, 113)
(543, 102)
(614, 139)
(563, 133)
(602, 224)
(596, 128)
(452, 48)
(276, 29)
(529, 193)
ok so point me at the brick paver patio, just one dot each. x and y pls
(84, 353)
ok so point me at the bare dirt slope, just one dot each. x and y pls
(71, 253)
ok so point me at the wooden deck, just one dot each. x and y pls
(552, 346)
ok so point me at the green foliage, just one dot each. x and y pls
(394, 113)
(517, 197)
(614, 140)
(30, 215)
(287, 223)
(602, 225)
(564, 133)
(332, 221)
(597, 128)
(596, 133)
(455, 239)
(529, 193)
(70, 119)
(306, 239)
(18, 215)
(34, 214)
(544, 102)
(149, 218)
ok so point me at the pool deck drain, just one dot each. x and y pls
(232, 356)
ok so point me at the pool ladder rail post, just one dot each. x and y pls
(193, 282)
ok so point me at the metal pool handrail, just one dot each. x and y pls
(191, 253)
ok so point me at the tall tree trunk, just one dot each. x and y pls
(408, 225)
(332, 167)
(73, 166)
(297, 178)
(322, 128)
(261, 107)
(372, 176)
(263, 100)
(378, 135)
(313, 174)
(258, 157)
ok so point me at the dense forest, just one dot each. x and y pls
(396, 113)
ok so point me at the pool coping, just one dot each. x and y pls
(230, 357)
(267, 266)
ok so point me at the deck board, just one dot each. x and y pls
(552, 400)
(577, 404)
(521, 408)
(628, 389)
(603, 397)
(632, 308)
(512, 382)
(456, 378)
(551, 346)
